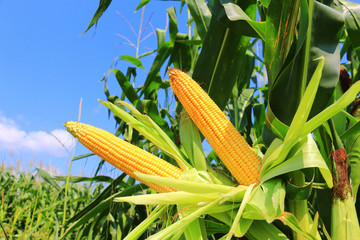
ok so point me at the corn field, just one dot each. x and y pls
(270, 86)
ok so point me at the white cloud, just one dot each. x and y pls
(55, 143)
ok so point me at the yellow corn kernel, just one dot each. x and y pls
(123, 155)
(233, 150)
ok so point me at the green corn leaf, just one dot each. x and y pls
(201, 14)
(306, 103)
(237, 112)
(141, 4)
(352, 144)
(173, 25)
(265, 3)
(93, 212)
(345, 100)
(103, 5)
(104, 195)
(144, 225)
(281, 18)
(236, 14)
(301, 115)
(150, 85)
(82, 156)
(221, 58)
(181, 225)
(46, 176)
(86, 179)
(182, 56)
(305, 155)
(160, 35)
(126, 86)
(352, 23)
(132, 60)
(351, 132)
(322, 25)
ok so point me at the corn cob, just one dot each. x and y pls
(233, 150)
(123, 155)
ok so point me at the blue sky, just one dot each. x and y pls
(47, 66)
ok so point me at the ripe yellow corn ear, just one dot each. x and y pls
(123, 155)
(233, 150)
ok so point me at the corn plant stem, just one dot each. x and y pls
(2, 206)
(299, 207)
(336, 139)
(66, 190)
(17, 214)
(236, 112)
(6, 236)
(33, 212)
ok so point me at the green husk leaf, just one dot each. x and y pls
(291, 221)
(238, 216)
(264, 230)
(146, 126)
(344, 221)
(267, 201)
(191, 141)
(169, 198)
(192, 186)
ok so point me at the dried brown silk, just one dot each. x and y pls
(340, 175)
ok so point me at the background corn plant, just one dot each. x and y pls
(274, 68)
(32, 203)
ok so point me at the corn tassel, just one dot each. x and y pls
(123, 155)
(233, 150)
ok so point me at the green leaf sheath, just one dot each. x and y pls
(289, 74)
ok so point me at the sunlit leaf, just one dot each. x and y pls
(306, 155)
(266, 202)
(132, 60)
(201, 14)
(103, 5)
